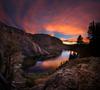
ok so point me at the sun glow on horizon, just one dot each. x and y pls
(69, 43)
(64, 29)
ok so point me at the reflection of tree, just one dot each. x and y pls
(79, 39)
(94, 36)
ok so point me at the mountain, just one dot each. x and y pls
(49, 43)
(13, 40)
(17, 52)
(18, 37)
(20, 50)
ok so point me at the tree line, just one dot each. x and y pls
(94, 37)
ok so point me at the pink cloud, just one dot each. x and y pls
(66, 17)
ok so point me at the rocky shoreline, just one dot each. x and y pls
(80, 74)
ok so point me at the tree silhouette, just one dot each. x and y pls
(80, 40)
(94, 37)
(94, 32)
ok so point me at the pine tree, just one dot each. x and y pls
(94, 37)
(80, 40)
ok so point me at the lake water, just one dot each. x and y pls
(50, 64)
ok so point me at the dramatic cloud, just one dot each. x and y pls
(61, 18)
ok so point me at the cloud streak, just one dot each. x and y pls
(67, 17)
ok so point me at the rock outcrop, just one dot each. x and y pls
(49, 43)
(16, 49)
(20, 50)
(80, 74)
(21, 40)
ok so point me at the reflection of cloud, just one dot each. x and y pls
(53, 64)
(56, 62)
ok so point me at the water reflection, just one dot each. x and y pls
(73, 55)
(51, 64)
(56, 62)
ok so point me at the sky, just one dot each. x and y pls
(64, 19)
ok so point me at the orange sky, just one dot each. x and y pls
(61, 18)
(64, 29)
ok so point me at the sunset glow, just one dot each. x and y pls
(64, 29)
(56, 62)
(69, 43)
(54, 17)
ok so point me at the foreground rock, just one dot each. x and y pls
(81, 74)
